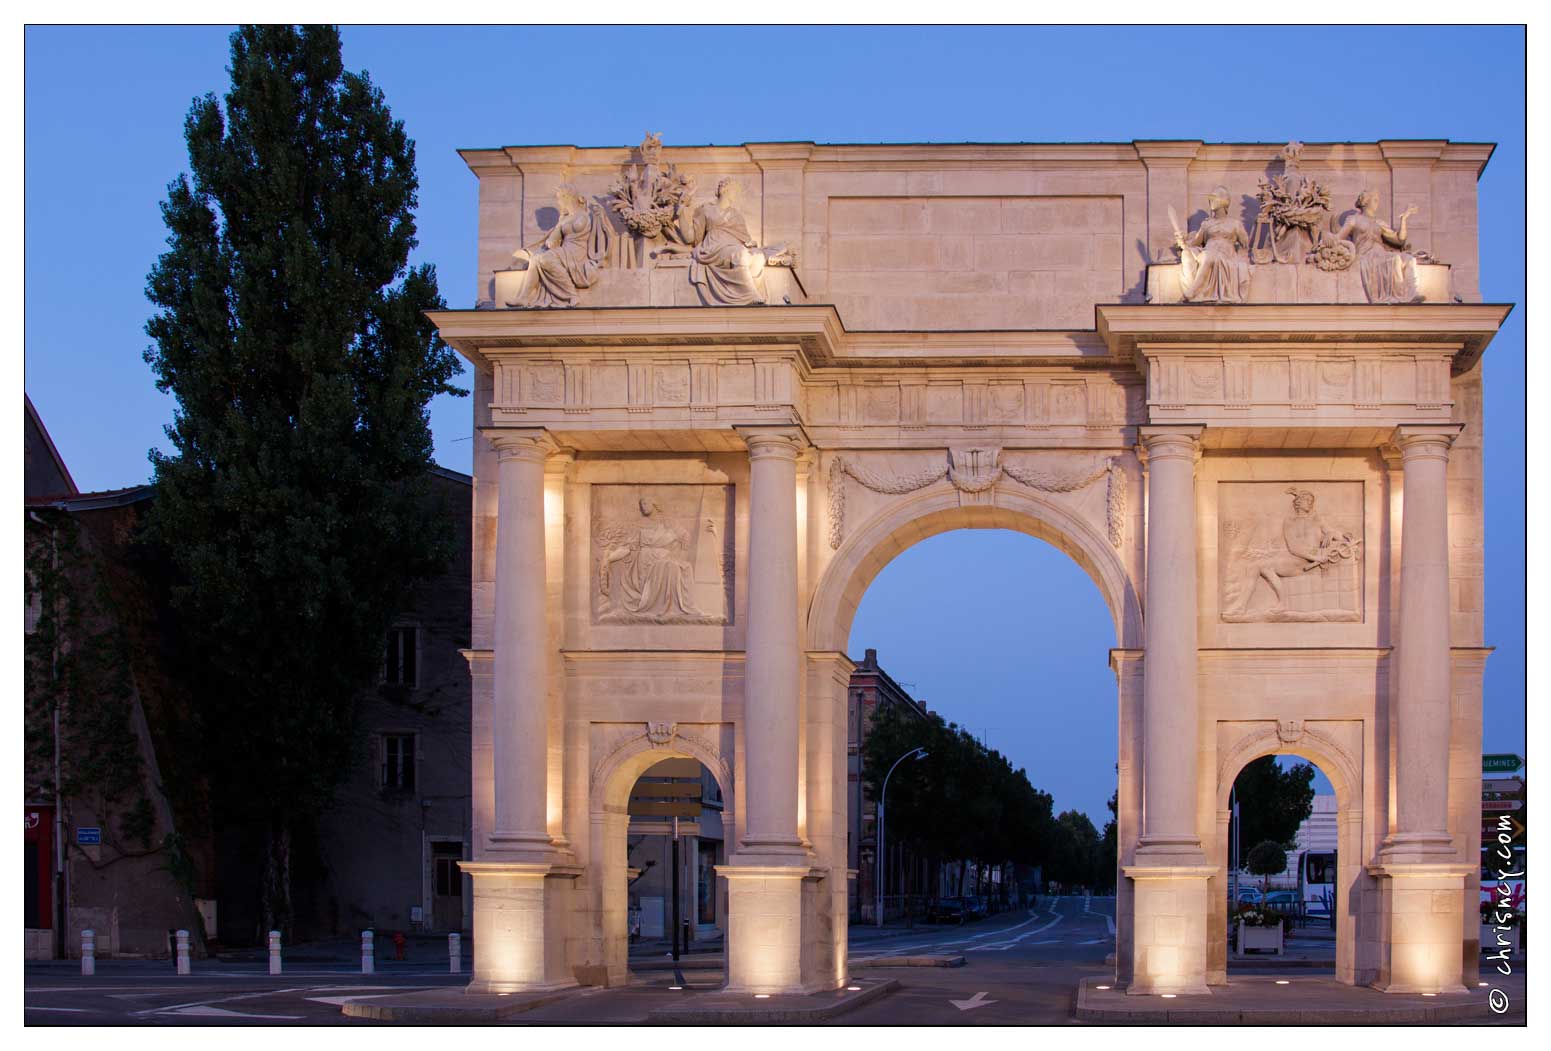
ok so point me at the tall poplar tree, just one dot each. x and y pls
(295, 507)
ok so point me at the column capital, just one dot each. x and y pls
(1162, 442)
(560, 461)
(782, 442)
(526, 443)
(1426, 441)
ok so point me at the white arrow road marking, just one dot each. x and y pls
(978, 1000)
(203, 1011)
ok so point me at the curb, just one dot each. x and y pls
(444, 1007)
(940, 960)
(719, 1009)
(1091, 1008)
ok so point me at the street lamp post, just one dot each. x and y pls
(879, 866)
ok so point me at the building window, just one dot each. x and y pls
(449, 879)
(400, 668)
(398, 761)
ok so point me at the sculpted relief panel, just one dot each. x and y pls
(1290, 552)
(662, 554)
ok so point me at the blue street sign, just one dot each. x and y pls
(88, 835)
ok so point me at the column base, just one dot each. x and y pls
(519, 924)
(1421, 926)
(1170, 913)
(764, 922)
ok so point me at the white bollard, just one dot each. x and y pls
(455, 953)
(88, 952)
(183, 966)
(368, 957)
(274, 952)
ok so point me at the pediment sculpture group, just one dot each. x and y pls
(658, 217)
(1295, 225)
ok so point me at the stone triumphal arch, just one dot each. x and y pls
(718, 388)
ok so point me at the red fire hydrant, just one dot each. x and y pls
(399, 942)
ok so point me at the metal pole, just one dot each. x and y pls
(678, 974)
(878, 862)
(1233, 843)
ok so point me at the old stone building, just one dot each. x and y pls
(872, 690)
(140, 853)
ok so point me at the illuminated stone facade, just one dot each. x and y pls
(686, 478)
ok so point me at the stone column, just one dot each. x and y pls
(520, 887)
(1422, 662)
(1169, 708)
(1421, 876)
(772, 666)
(520, 723)
(1169, 874)
(764, 877)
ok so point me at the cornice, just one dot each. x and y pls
(1167, 151)
(1470, 325)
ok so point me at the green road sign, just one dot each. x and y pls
(1500, 764)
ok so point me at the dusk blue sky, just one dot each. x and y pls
(998, 631)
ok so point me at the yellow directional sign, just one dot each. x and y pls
(666, 790)
(665, 808)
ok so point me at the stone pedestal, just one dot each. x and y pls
(764, 928)
(1422, 912)
(520, 910)
(1169, 929)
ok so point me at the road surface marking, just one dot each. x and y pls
(72, 1010)
(202, 1011)
(1005, 945)
(978, 1000)
(1095, 941)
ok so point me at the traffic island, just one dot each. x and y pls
(450, 1006)
(1287, 1000)
(776, 1009)
(919, 960)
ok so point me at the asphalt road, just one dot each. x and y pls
(1023, 966)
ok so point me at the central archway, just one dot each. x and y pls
(906, 522)
(910, 520)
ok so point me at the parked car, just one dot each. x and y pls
(945, 910)
(1282, 900)
(1249, 895)
(974, 908)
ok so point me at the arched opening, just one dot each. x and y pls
(1003, 620)
(1307, 917)
(653, 796)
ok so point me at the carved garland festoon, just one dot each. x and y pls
(976, 471)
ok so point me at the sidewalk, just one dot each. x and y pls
(1302, 948)
(1263, 1000)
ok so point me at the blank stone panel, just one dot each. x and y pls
(956, 263)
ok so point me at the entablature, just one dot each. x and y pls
(1336, 370)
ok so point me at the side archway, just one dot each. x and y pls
(613, 775)
(1336, 748)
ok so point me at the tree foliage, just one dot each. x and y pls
(1273, 802)
(290, 330)
(965, 801)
